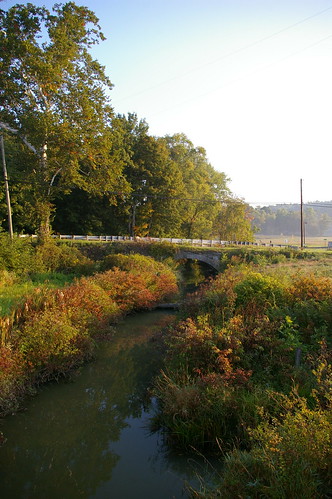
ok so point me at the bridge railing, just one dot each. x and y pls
(192, 242)
(198, 242)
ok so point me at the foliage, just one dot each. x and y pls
(150, 280)
(233, 222)
(16, 255)
(53, 353)
(31, 267)
(290, 456)
(22, 257)
(174, 191)
(231, 256)
(62, 258)
(260, 291)
(13, 381)
(66, 149)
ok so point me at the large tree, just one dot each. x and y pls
(155, 182)
(204, 187)
(54, 99)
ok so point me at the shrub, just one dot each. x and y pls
(12, 380)
(290, 456)
(298, 450)
(216, 298)
(262, 291)
(192, 346)
(137, 279)
(311, 307)
(311, 287)
(86, 296)
(205, 412)
(17, 255)
(63, 258)
(52, 345)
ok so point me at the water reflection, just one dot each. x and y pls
(194, 273)
(89, 438)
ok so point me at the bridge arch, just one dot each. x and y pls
(211, 258)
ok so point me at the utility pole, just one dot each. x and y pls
(9, 209)
(302, 238)
(133, 219)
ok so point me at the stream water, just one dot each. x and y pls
(90, 438)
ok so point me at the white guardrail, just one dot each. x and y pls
(193, 242)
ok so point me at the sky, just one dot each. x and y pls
(248, 80)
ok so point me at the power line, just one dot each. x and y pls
(319, 205)
(229, 54)
(177, 198)
(236, 80)
(149, 195)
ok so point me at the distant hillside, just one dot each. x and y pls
(286, 219)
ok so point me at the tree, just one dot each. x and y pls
(204, 187)
(154, 179)
(53, 98)
(157, 185)
(285, 219)
(233, 222)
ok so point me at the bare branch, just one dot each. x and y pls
(52, 180)
(33, 95)
(10, 129)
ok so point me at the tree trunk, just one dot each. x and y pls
(9, 210)
(44, 210)
(43, 206)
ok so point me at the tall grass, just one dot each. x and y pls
(13, 290)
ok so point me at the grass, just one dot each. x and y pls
(13, 291)
(310, 242)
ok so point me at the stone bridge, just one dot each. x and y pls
(212, 258)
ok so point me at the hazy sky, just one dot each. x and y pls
(248, 80)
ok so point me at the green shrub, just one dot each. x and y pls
(207, 412)
(13, 383)
(17, 255)
(290, 456)
(52, 344)
(298, 450)
(262, 291)
(62, 258)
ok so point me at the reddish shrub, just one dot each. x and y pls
(310, 287)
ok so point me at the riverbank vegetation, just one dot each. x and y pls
(248, 376)
(247, 373)
(52, 329)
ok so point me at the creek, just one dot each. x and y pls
(90, 438)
